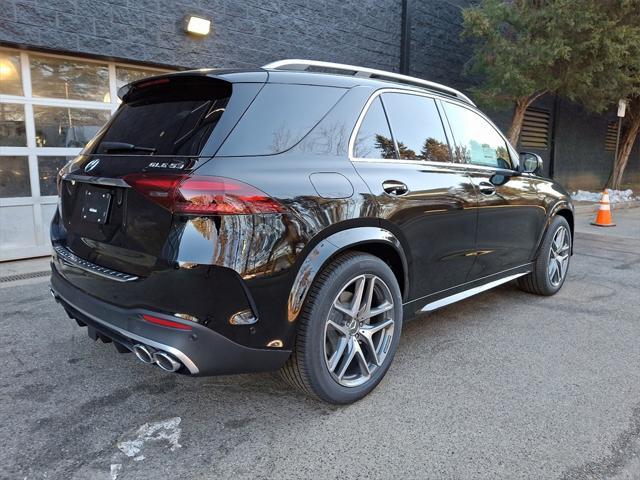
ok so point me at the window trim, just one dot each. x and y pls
(512, 151)
(393, 135)
(365, 110)
(437, 98)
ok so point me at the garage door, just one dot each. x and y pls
(50, 106)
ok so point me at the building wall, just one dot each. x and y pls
(249, 33)
(581, 160)
(437, 51)
(245, 33)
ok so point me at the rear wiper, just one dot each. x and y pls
(107, 147)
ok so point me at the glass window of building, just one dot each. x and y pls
(69, 79)
(10, 74)
(14, 177)
(48, 168)
(67, 127)
(12, 126)
(46, 118)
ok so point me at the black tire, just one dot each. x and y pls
(538, 281)
(307, 369)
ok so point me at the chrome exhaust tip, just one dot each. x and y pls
(166, 362)
(144, 353)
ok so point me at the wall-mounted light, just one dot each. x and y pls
(197, 25)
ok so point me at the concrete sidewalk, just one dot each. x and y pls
(24, 270)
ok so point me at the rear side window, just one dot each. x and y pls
(417, 127)
(477, 141)
(280, 116)
(165, 120)
(374, 137)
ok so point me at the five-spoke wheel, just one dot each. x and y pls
(359, 330)
(559, 255)
(552, 263)
(348, 331)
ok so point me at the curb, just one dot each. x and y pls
(584, 207)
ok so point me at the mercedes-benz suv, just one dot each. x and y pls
(292, 217)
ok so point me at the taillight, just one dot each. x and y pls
(199, 195)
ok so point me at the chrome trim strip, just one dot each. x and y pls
(72, 259)
(467, 166)
(429, 307)
(365, 72)
(160, 346)
(109, 182)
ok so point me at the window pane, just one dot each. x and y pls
(48, 168)
(61, 78)
(10, 74)
(279, 118)
(126, 75)
(417, 127)
(12, 130)
(477, 141)
(67, 127)
(169, 120)
(14, 177)
(374, 137)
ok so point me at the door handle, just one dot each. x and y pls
(394, 187)
(486, 188)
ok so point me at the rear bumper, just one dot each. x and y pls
(201, 350)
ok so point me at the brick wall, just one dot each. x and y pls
(246, 33)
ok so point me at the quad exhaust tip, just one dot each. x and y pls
(166, 362)
(151, 356)
(144, 353)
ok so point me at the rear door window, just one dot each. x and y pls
(477, 141)
(374, 138)
(280, 116)
(417, 127)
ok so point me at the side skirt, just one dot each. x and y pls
(451, 295)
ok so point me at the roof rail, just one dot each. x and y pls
(298, 64)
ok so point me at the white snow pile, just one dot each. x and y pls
(615, 196)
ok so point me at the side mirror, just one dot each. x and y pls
(530, 163)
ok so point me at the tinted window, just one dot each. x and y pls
(416, 127)
(169, 120)
(279, 117)
(477, 141)
(374, 137)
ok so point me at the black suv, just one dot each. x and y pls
(291, 217)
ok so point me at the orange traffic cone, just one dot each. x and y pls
(603, 218)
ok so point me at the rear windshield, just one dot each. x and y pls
(280, 117)
(165, 120)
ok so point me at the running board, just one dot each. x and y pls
(429, 307)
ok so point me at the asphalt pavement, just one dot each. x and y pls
(503, 385)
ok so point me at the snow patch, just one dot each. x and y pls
(165, 430)
(615, 196)
(116, 468)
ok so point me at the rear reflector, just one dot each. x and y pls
(201, 195)
(166, 323)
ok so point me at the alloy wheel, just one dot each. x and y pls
(559, 256)
(359, 330)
